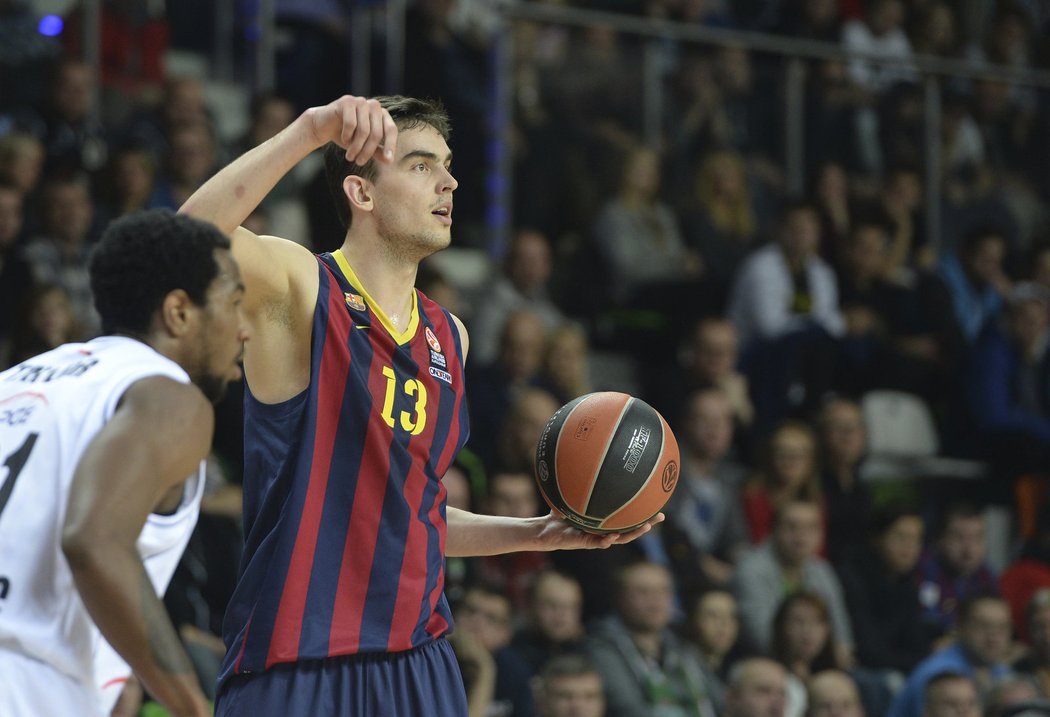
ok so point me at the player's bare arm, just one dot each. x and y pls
(281, 276)
(472, 535)
(156, 439)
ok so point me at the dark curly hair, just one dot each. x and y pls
(407, 113)
(143, 256)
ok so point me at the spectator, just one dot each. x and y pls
(21, 162)
(847, 500)
(788, 561)
(720, 220)
(705, 530)
(714, 627)
(707, 357)
(803, 643)
(566, 364)
(569, 686)
(15, 279)
(1036, 664)
(879, 583)
(1011, 690)
(757, 688)
(979, 654)
(59, 255)
(1009, 384)
(524, 284)
(648, 670)
(879, 34)
(976, 280)
(1029, 574)
(486, 615)
(513, 494)
(555, 625)
(954, 568)
(495, 386)
(784, 303)
(45, 320)
(73, 138)
(951, 694)
(833, 693)
(130, 182)
(191, 160)
(528, 413)
(788, 472)
(637, 234)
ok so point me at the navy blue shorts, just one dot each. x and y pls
(424, 682)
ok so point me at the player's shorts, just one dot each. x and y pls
(424, 682)
(31, 688)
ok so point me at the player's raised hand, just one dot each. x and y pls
(359, 124)
(559, 534)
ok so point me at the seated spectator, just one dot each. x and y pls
(803, 643)
(21, 162)
(954, 567)
(787, 562)
(45, 320)
(513, 494)
(566, 364)
(637, 233)
(485, 614)
(705, 530)
(784, 304)
(131, 177)
(950, 694)
(978, 655)
(706, 357)
(847, 500)
(1029, 574)
(569, 686)
(976, 280)
(720, 222)
(1011, 690)
(833, 693)
(59, 254)
(523, 284)
(494, 386)
(879, 583)
(15, 277)
(1009, 384)
(757, 688)
(526, 417)
(555, 624)
(672, 679)
(189, 163)
(879, 33)
(1036, 664)
(788, 472)
(714, 628)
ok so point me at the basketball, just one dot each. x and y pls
(607, 462)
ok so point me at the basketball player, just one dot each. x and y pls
(354, 410)
(101, 445)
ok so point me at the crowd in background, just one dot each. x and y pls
(764, 326)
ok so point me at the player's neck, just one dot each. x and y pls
(388, 280)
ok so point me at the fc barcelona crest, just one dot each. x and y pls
(354, 301)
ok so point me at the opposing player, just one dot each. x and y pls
(101, 445)
(354, 411)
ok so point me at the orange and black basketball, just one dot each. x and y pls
(607, 462)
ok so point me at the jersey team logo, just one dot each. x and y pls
(433, 340)
(354, 301)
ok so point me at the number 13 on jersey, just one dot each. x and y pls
(413, 422)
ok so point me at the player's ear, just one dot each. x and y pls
(358, 191)
(175, 312)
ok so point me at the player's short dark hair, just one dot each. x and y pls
(145, 255)
(407, 113)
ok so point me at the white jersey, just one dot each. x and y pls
(51, 408)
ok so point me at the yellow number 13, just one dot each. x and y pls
(413, 387)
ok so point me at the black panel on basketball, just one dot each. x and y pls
(546, 450)
(630, 460)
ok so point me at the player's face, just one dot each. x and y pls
(574, 696)
(413, 197)
(223, 330)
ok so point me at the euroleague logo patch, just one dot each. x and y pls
(433, 340)
(670, 476)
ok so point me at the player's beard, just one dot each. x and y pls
(409, 246)
(213, 387)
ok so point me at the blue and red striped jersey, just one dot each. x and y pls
(344, 509)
